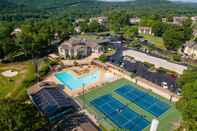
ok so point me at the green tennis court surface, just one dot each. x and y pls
(120, 114)
(143, 100)
(167, 121)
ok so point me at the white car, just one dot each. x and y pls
(164, 85)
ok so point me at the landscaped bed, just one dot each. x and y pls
(168, 120)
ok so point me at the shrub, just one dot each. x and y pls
(102, 58)
(176, 57)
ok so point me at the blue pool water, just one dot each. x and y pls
(74, 82)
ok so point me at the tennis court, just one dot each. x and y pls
(143, 100)
(119, 113)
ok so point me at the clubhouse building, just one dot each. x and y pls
(78, 48)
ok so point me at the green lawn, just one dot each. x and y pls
(13, 87)
(157, 41)
(167, 120)
(16, 87)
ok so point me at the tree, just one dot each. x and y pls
(5, 30)
(117, 20)
(94, 26)
(7, 45)
(189, 76)
(159, 28)
(136, 43)
(195, 40)
(147, 22)
(103, 58)
(84, 26)
(187, 29)
(173, 39)
(19, 115)
(130, 31)
(36, 38)
(188, 103)
(1, 51)
(63, 27)
(176, 57)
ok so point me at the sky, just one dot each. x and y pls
(170, 0)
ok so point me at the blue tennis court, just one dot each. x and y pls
(143, 99)
(119, 113)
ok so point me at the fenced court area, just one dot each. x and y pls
(112, 109)
(120, 114)
(143, 100)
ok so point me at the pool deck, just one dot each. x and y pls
(119, 73)
(86, 60)
(81, 90)
(81, 70)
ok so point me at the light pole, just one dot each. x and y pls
(83, 95)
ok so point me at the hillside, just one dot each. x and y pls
(37, 4)
(22, 9)
(5, 4)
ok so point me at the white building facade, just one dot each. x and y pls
(191, 49)
(78, 49)
(145, 30)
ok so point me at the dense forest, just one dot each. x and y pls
(22, 9)
(41, 20)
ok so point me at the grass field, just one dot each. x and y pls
(15, 87)
(168, 120)
(157, 41)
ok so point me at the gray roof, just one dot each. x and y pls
(78, 43)
(91, 44)
(65, 45)
(158, 62)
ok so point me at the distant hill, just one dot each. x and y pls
(42, 4)
(55, 4)
(21, 9)
(6, 4)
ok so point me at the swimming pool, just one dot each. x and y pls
(74, 82)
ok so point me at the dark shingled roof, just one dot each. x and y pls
(156, 77)
(51, 101)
